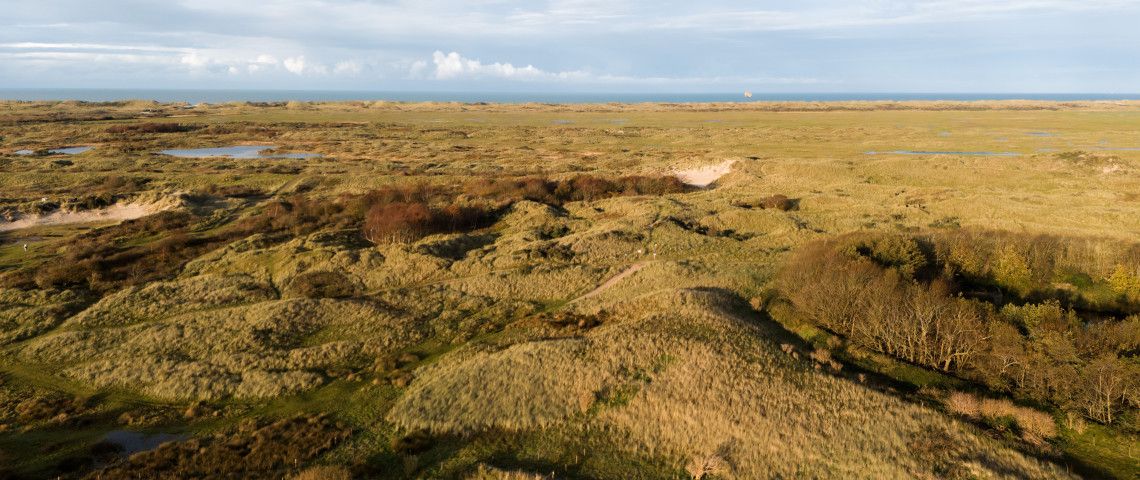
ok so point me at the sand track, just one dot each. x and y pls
(612, 281)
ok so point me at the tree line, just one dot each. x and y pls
(992, 308)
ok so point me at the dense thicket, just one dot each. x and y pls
(158, 127)
(578, 188)
(1045, 318)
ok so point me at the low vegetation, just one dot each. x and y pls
(524, 291)
(249, 451)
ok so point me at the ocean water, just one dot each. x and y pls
(217, 96)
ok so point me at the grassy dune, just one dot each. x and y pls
(488, 350)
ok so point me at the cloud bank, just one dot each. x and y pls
(853, 45)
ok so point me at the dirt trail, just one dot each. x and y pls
(114, 213)
(704, 176)
(612, 281)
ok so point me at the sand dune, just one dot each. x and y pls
(113, 213)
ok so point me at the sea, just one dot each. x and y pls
(221, 96)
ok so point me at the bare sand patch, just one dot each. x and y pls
(113, 213)
(704, 176)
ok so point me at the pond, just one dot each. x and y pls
(58, 151)
(134, 442)
(936, 152)
(236, 151)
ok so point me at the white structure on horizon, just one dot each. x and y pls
(747, 94)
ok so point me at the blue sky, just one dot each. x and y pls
(1023, 46)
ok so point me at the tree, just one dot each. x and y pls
(1106, 384)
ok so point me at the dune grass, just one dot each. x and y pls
(448, 353)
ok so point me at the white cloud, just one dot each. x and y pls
(453, 65)
(417, 68)
(347, 67)
(85, 57)
(195, 60)
(89, 46)
(295, 65)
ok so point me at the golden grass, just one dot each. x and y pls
(160, 300)
(323, 473)
(485, 472)
(253, 351)
(24, 314)
(680, 377)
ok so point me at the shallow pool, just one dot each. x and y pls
(236, 151)
(134, 442)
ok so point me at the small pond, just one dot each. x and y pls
(134, 442)
(236, 151)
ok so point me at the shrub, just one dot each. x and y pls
(1032, 425)
(321, 285)
(578, 188)
(248, 451)
(1125, 282)
(777, 201)
(152, 128)
(402, 222)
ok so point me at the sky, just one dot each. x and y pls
(962, 46)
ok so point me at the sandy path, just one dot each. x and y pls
(612, 281)
(114, 213)
(704, 176)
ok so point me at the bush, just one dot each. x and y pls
(777, 202)
(151, 128)
(1032, 425)
(321, 285)
(248, 452)
(402, 222)
(578, 188)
